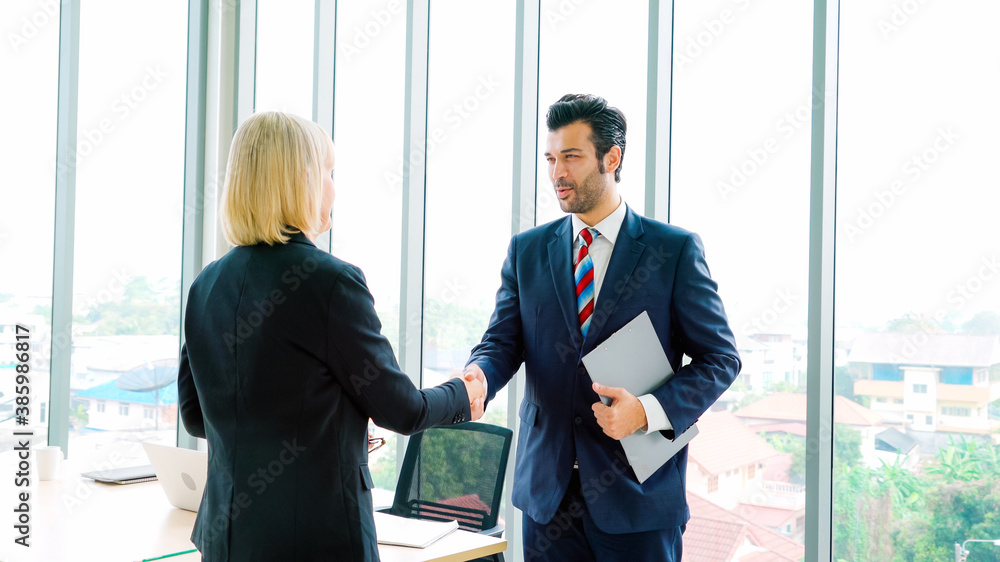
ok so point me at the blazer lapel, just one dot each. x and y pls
(561, 266)
(624, 259)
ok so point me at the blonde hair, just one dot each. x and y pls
(274, 179)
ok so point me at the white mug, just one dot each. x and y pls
(47, 461)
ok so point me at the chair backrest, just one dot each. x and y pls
(454, 473)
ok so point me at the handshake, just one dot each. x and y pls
(475, 386)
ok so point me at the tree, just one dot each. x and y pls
(912, 322)
(843, 383)
(846, 445)
(142, 310)
(984, 323)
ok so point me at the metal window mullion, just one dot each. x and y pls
(61, 353)
(411, 285)
(822, 217)
(193, 227)
(246, 60)
(324, 78)
(659, 102)
(523, 208)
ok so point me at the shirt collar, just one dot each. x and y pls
(609, 227)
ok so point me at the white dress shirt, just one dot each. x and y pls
(600, 252)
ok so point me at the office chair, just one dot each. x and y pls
(455, 473)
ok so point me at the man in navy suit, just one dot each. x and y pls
(565, 287)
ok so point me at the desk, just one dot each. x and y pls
(75, 519)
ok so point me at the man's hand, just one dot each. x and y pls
(474, 372)
(476, 390)
(623, 417)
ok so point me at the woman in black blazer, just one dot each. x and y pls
(284, 364)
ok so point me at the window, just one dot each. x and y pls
(30, 59)
(100, 406)
(148, 413)
(367, 225)
(880, 400)
(284, 63)
(568, 23)
(954, 411)
(126, 281)
(739, 167)
(897, 400)
(713, 484)
(751, 470)
(916, 119)
(469, 103)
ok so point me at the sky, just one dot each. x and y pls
(916, 141)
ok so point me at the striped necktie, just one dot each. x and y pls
(584, 275)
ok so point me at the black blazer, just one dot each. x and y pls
(283, 366)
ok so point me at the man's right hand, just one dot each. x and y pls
(477, 394)
(474, 374)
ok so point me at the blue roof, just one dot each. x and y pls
(108, 391)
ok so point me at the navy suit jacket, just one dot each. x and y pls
(283, 366)
(654, 267)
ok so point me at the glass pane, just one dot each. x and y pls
(129, 203)
(31, 61)
(918, 290)
(368, 113)
(740, 179)
(576, 58)
(469, 171)
(284, 74)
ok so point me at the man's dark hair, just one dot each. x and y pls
(606, 122)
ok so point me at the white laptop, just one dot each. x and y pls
(181, 472)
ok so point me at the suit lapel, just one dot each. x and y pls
(624, 259)
(560, 248)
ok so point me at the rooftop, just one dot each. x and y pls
(716, 534)
(791, 406)
(110, 391)
(933, 350)
(724, 443)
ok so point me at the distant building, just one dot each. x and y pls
(110, 408)
(715, 534)
(785, 412)
(892, 445)
(768, 359)
(929, 382)
(729, 464)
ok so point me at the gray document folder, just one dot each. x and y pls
(633, 359)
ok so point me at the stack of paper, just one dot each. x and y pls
(403, 531)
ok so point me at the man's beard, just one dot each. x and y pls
(587, 195)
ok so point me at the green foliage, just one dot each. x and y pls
(956, 498)
(453, 326)
(912, 322)
(383, 467)
(142, 309)
(956, 511)
(785, 386)
(984, 323)
(862, 515)
(846, 445)
(78, 417)
(966, 461)
(843, 383)
(788, 443)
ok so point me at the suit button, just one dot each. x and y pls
(578, 420)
